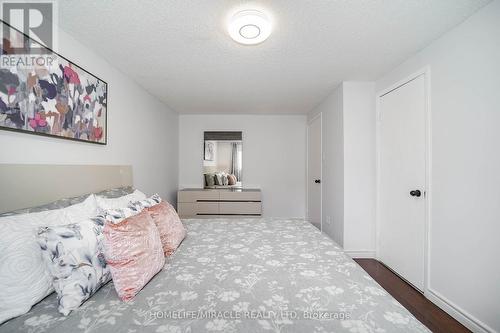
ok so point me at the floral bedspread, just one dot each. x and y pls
(240, 275)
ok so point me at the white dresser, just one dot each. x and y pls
(197, 203)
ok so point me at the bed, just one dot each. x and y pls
(228, 275)
(240, 275)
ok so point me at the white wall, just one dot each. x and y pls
(274, 156)
(333, 164)
(142, 132)
(349, 166)
(359, 167)
(465, 196)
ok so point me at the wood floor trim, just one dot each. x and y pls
(424, 310)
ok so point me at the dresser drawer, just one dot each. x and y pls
(240, 208)
(240, 196)
(194, 196)
(190, 209)
(203, 208)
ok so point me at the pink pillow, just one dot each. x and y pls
(172, 232)
(231, 180)
(133, 252)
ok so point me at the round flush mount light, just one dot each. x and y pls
(249, 27)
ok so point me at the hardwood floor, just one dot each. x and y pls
(424, 310)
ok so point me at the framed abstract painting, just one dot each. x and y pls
(47, 94)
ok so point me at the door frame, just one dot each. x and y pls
(426, 72)
(320, 116)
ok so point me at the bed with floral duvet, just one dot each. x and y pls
(240, 275)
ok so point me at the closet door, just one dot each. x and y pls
(314, 161)
(402, 172)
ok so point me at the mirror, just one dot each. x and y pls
(222, 159)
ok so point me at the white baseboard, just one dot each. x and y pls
(360, 254)
(469, 321)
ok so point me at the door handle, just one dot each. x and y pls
(415, 193)
(317, 181)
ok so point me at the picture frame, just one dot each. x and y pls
(209, 154)
(62, 101)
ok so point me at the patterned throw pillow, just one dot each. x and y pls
(140, 205)
(120, 214)
(218, 179)
(133, 252)
(171, 229)
(74, 256)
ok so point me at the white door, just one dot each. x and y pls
(402, 149)
(314, 172)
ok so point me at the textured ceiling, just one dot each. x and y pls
(180, 52)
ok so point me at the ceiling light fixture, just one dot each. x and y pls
(249, 27)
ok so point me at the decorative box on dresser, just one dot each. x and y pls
(197, 203)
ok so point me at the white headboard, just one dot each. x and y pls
(29, 185)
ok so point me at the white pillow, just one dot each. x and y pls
(121, 202)
(83, 210)
(24, 277)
